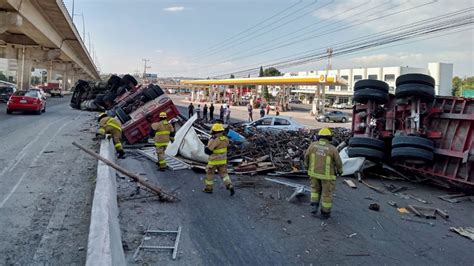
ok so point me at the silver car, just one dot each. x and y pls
(335, 116)
(271, 122)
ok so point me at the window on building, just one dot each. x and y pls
(345, 77)
(389, 77)
(331, 88)
(357, 77)
(344, 88)
(373, 77)
(391, 88)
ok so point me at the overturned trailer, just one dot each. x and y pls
(414, 129)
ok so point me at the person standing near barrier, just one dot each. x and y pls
(250, 111)
(211, 112)
(198, 111)
(204, 113)
(221, 114)
(164, 133)
(227, 114)
(323, 163)
(262, 112)
(217, 151)
(110, 125)
(190, 110)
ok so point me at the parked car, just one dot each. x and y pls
(6, 92)
(335, 116)
(296, 101)
(41, 91)
(342, 106)
(271, 122)
(30, 100)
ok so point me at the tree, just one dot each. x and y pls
(261, 72)
(3, 77)
(35, 80)
(271, 72)
(457, 86)
(232, 76)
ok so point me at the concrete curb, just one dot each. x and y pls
(105, 241)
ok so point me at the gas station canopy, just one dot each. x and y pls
(280, 80)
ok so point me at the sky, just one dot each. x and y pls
(206, 38)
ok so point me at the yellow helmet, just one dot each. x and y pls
(163, 115)
(325, 132)
(217, 127)
(100, 116)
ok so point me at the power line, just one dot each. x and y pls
(380, 39)
(251, 27)
(257, 30)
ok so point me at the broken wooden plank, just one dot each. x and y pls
(350, 183)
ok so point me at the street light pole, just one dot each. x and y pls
(72, 10)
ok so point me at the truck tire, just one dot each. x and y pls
(365, 95)
(365, 152)
(415, 78)
(157, 89)
(150, 94)
(412, 155)
(413, 141)
(122, 116)
(371, 84)
(9, 112)
(422, 92)
(376, 144)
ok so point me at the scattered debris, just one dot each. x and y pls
(392, 203)
(464, 231)
(161, 194)
(377, 189)
(299, 189)
(158, 232)
(351, 235)
(418, 199)
(358, 255)
(395, 189)
(350, 183)
(416, 221)
(374, 207)
(427, 212)
(456, 198)
(402, 210)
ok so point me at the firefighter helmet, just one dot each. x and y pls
(217, 127)
(163, 115)
(100, 116)
(325, 132)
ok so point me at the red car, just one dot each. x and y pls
(31, 100)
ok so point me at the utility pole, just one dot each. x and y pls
(329, 67)
(72, 11)
(145, 67)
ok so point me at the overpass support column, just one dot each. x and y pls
(23, 74)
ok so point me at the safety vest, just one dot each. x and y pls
(219, 150)
(323, 160)
(163, 130)
(107, 124)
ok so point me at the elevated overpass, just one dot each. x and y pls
(41, 34)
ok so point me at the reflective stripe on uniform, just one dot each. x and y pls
(113, 123)
(218, 151)
(327, 170)
(217, 162)
(118, 146)
(101, 131)
(163, 132)
(226, 179)
(222, 137)
(326, 205)
(162, 162)
(314, 196)
(209, 182)
(161, 144)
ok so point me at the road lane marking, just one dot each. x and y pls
(32, 163)
(23, 152)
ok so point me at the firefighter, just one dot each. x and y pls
(217, 151)
(164, 133)
(323, 163)
(110, 125)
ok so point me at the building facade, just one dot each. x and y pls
(441, 72)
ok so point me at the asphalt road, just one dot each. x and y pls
(46, 185)
(258, 226)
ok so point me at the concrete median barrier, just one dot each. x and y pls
(105, 241)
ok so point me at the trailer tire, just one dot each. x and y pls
(365, 95)
(150, 94)
(157, 89)
(122, 116)
(376, 144)
(413, 141)
(415, 78)
(422, 92)
(412, 155)
(365, 152)
(371, 84)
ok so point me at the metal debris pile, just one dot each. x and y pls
(282, 151)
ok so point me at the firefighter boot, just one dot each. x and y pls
(121, 154)
(207, 190)
(325, 215)
(231, 189)
(314, 208)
